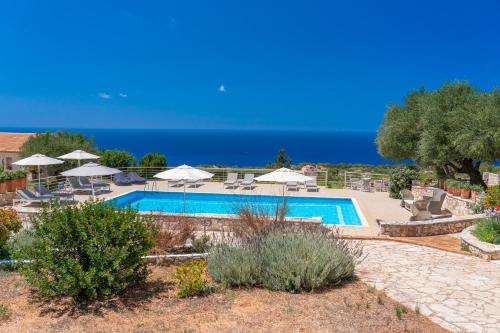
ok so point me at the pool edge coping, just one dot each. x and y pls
(357, 207)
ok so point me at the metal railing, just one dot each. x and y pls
(220, 175)
(378, 181)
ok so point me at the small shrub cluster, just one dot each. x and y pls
(4, 312)
(284, 256)
(488, 230)
(201, 244)
(191, 278)
(9, 174)
(400, 179)
(9, 223)
(86, 252)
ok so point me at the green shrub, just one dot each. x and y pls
(191, 278)
(401, 179)
(284, 257)
(21, 241)
(86, 252)
(302, 261)
(233, 265)
(476, 188)
(201, 244)
(117, 158)
(9, 223)
(488, 230)
(152, 160)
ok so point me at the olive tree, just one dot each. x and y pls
(454, 128)
(55, 144)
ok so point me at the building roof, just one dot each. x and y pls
(12, 142)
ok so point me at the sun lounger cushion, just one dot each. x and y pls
(135, 178)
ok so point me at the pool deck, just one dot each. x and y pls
(374, 205)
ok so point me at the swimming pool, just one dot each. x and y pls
(341, 211)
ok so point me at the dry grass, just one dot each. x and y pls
(154, 307)
(172, 233)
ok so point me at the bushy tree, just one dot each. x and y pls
(282, 160)
(400, 179)
(153, 160)
(87, 251)
(454, 128)
(55, 144)
(117, 158)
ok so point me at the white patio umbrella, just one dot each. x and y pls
(184, 173)
(283, 175)
(90, 170)
(79, 155)
(38, 160)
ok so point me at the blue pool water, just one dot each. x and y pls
(332, 210)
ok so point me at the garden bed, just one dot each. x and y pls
(154, 307)
(438, 226)
(481, 249)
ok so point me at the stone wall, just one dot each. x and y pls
(201, 222)
(455, 205)
(6, 198)
(433, 227)
(209, 222)
(419, 191)
(478, 248)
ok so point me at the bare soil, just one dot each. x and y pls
(155, 307)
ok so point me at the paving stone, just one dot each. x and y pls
(460, 293)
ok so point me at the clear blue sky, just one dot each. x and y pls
(283, 64)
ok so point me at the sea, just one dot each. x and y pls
(243, 148)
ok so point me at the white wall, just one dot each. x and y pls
(5, 155)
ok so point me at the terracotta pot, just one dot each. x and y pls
(445, 187)
(455, 191)
(465, 193)
(3, 186)
(440, 184)
(473, 196)
(17, 183)
(24, 182)
(11, 185)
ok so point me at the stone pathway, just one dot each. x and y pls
(460, 293)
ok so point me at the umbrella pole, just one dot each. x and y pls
(39, 181)
(283, 203)
(92, 184)
(184, 196)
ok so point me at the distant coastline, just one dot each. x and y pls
(234, 147)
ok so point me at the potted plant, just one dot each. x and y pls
(465, 190)
(474, 191)
(450, 185)
(11, 185)
(458, 188)
(3, 183)
(20, 179)
(423, 179)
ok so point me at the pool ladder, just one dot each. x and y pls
(151, 186)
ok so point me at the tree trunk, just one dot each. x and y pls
(471, 168)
